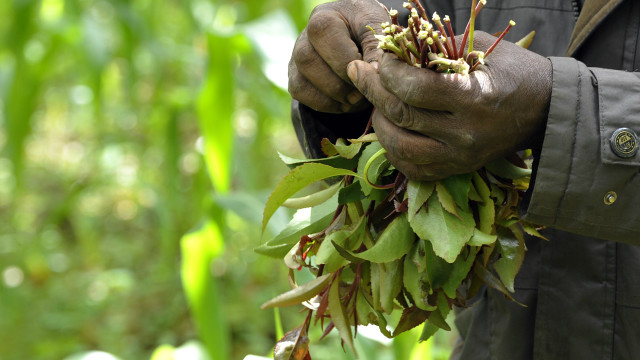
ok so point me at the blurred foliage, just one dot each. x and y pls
(124, 125)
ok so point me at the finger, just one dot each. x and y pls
(371, 15)
(302, 90)
(406, 145)
(330, 36)
(438, 125)
(317, 72)
(425, 88)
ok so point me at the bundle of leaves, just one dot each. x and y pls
(380, 244)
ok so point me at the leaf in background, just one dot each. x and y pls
(314, 199)
(447, 233)
(395, 241)
(418, 192)
(340, 148)
(294, 345)
(333, 161)
(306, 221)
(445, 198)
(299, 294)
(215, 106)
(505, 169)
(296, 180)
(458, 186)
(339, 316)
(511, 249)
(199, 248)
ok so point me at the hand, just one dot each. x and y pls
(332, 39)
(434, 125)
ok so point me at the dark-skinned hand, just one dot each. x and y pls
(335, 36)
(434, 125)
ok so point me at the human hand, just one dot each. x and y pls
(434, 125)
(335, 35)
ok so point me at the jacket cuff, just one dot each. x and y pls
(577, 170)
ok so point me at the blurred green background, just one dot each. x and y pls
(138, 144)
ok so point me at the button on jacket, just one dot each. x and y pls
(582, 288)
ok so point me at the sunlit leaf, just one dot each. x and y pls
(447, 233)
(445, 198)
(306, 221)
(296, 180)
(333, 161)
(300, 293)
(313, 199)
(340, 148)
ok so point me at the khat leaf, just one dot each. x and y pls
(306, 221)
(390, 283)
(486, 209)
(416, 283)
(411, 317)
(299, 294)
(418, 192)
(296, 180)
(340, 148)
(447, 233)
(371, 137)
(437, 269)
(294, 345)
(480, 238)
(395, 241)
(445, 198)
(333, 161)
(505, 169)
(461, 268)
(375, 169)
(351, 193)
(276, 251)
(511, 249)
(314, 199)
(339, 316)
(458, 186)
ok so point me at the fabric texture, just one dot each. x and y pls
(582, 288)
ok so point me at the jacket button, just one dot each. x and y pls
(610, 197)
(624, 143)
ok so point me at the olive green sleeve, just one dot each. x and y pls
(582, 186)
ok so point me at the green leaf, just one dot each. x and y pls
(202, 290)
(296, 180)
(489, 279)
(299, 294)
(351, 193)
(277, 251)
(328, 253)
(418, 192)
(340, 148)
(375, 169)
(511, 249)
(447, 233)
(486, 209)
(458, 186)
(306, 221)
(461, 269)
(314, 199)
(437, 269)
(333, 161)
(532, 230)
(445, 198)
(411, 317)
(480, 238)
(390, 283)
(339, 316)
(505, 169)
(372, 137)
(215, 108)
(394, 242)
(416, 283)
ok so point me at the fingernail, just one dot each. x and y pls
(354, 97)
(352, 71)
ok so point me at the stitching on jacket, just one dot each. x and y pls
(575, 139)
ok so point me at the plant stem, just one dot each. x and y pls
(511, 24)
(451, 35)
(472, 22)
(466, 31)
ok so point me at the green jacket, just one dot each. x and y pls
(582, 288)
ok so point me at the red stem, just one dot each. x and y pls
(453, 38)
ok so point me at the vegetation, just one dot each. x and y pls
(137, 149)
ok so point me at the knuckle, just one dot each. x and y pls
(319, 22)
(304, 54)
